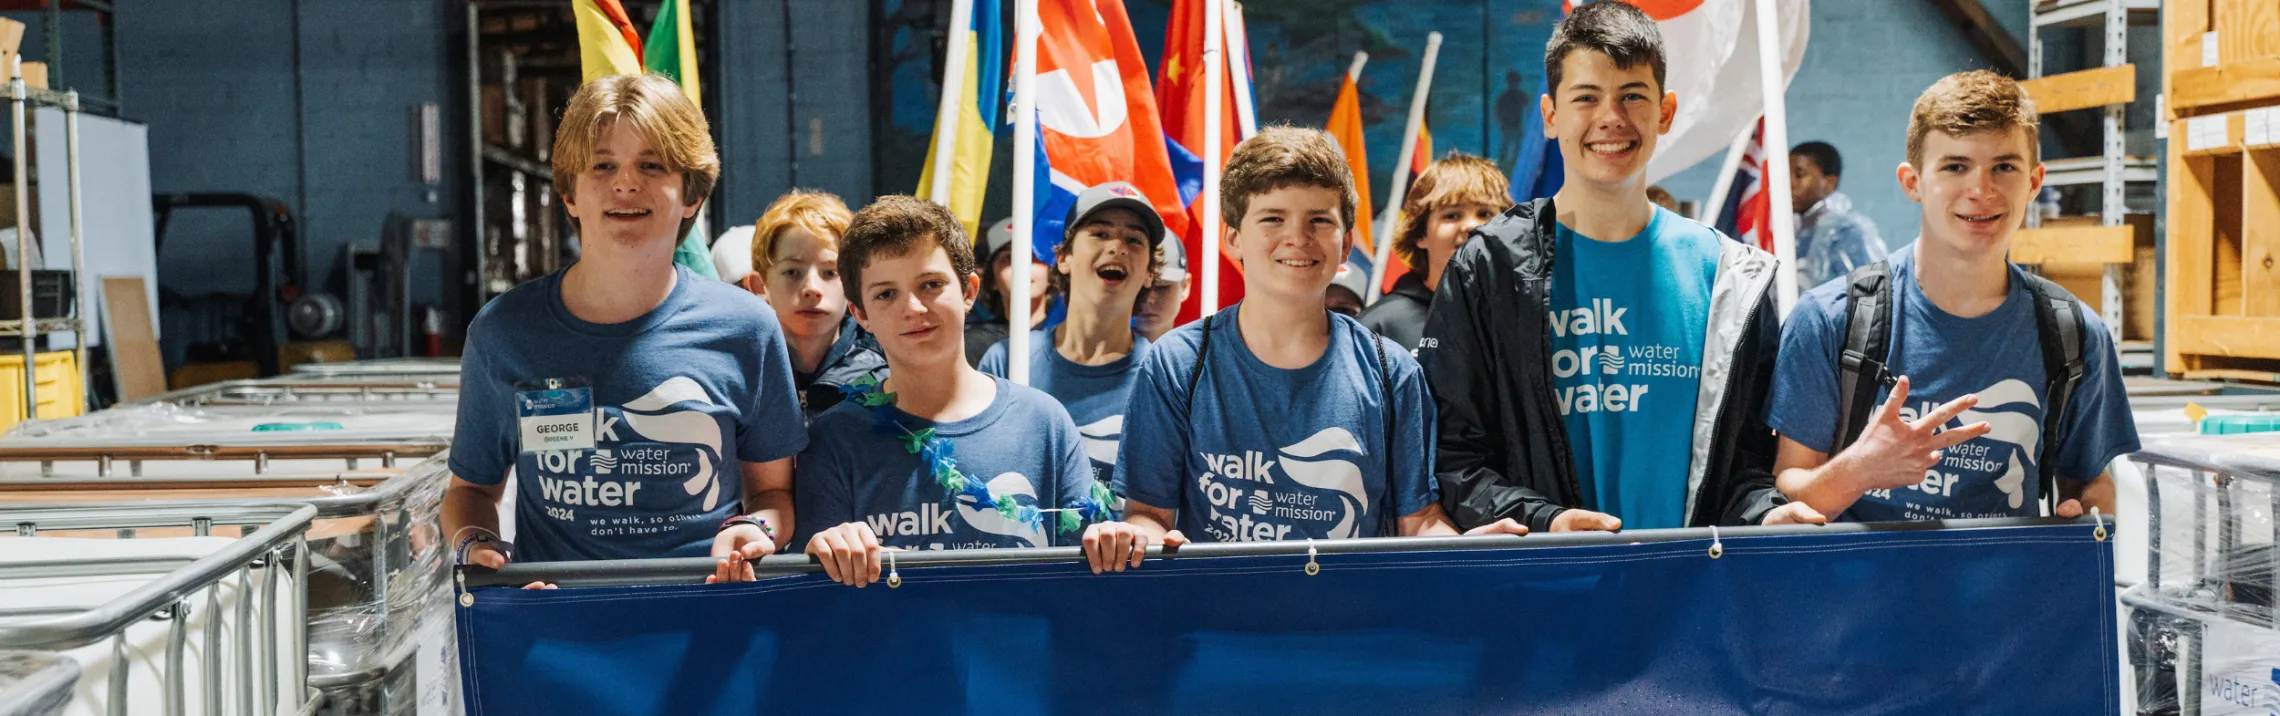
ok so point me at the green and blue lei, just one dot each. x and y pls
(939, 456)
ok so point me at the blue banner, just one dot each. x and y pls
(2013, 620)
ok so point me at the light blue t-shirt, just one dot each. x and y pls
(682, 397)
(1094, 394)
(1270, 454)
(1627, 321)
(1022, 448)
(1997, 355)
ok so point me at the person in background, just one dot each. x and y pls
(1331, 424)
(1158, 309)
(1347, 289)
(939, 456)
(795, 258)
(624, 390)
(1832, 238)
(987, 325)
(732, 259)
(1450, 198)
(1086, 362)
(1662, 198)
(1967, 335)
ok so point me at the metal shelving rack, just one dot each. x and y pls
(2112, 170)
(25, 327)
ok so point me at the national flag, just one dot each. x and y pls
(1180, 91)
(1747, 215)
(1346, 126)
(607, 42)
(980, 108)
(1096, 116)
(672, 48)
(1538, 171)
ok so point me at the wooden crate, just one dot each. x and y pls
(2224, 185)
(2077, 252)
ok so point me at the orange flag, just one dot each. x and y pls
(1346, 126)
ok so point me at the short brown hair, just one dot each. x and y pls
(820, 214)
(1458, 178)
(659, 111)
(1061, 254)
(896, 225)
(1283, 156)
(1620, 31)
(1970, 103)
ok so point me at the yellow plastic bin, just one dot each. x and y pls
(57, 377)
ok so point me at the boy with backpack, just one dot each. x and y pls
(1945, 382)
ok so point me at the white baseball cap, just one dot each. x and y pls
(1175, 266)
(1354, 279)
(732, 253)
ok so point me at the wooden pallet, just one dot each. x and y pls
(2223, 252)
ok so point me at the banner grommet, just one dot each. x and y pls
(1312, 567)
(894, 578)
(2099, 533)
(1717, 548)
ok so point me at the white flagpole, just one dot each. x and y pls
(1735, 154)
(1027, 29)
(1354, 71)
(1214, 83)
(1777, 156)
(1239, 63)
(1401, 167)
(953, 92)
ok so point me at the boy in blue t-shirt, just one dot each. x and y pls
(1277, 420)
(1107, 255)
(644, 412)
(1960, 433)
(939, 456)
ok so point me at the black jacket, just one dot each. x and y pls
(855, 355)
(1400, 315)
(1503, 448)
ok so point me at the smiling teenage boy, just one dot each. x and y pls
(1980, 391)
(939, 456)
(1601, 363)
(1276, 419)
(644, 411)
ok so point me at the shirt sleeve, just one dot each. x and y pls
(1412, 484)
(1153, 454)
(994, 361)
(822, 497)
(2099, 426)
(483, 441)
(771, 426)
(1803, 405)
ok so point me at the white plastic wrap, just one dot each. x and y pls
(168, 424)
(2202, 623)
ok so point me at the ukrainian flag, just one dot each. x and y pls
(980, 109)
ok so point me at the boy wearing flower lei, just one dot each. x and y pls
(938, 456)
(1277, 419)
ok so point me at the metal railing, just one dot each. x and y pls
(282, 537)
(272, 392)
(693, 570)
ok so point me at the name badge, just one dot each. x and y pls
(556, 417)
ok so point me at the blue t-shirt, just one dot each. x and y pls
(1997, 355)
(682, 396)
(1094, 394)
(1628, 319)
(1023, 446)
(1271, 454)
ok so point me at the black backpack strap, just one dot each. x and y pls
(2059, 326)
(1861, 369)
(1195, 372)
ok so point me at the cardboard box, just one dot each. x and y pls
(35, 75)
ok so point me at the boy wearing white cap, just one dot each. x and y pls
(1159, 306)
(1086, 362)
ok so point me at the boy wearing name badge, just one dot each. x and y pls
(1601, 363)
(1945, 382)
(939, 455)
(1276, 419)
(644, 411)
(1086, 361)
